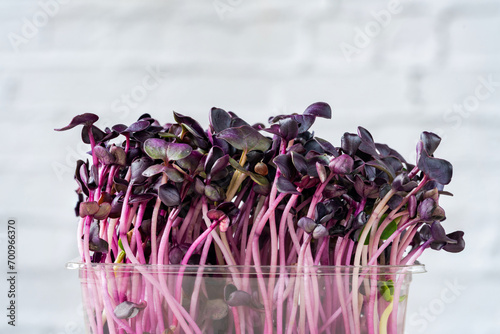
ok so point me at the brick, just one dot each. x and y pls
(443, 89)
(336, 46)
(410, 42)
(472, 43)
(196, 95)
(375, 91)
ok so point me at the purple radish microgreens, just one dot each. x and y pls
(251, 195)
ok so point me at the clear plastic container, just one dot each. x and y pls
(127, 298)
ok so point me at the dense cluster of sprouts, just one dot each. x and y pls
(241, 194)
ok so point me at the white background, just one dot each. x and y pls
(420, 67)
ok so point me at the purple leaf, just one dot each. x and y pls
(88, 209)
(438, 233)
(288, 129)
(141, 198)
(120, 128)
(81, 176)
(192, 162)
(365, 188)
(153, 170)
(103, 212)
(119, 184)
(367, 144)
(119, 155)
(307, 182)
(221, 217)
(219, 119)
(177, 253)
(334, 190)
(380, 165)
(431, 141)
(425, 232)
(137, 126)
(327, 147)
(299, 162)
(116, 207)
(262, 189)
(274, 129)
(320, 232)
(191, 125)
(320, 169)
(127, 310)
(109, 135)
(229, 209)
(214, 193)
(85, 119)
(169, 195)
(285, 186)
(104, 156)
(245, 138)
(220, 164)
(216, 214)
(319, 109)
(402, 183)
(236, 121)
(342, 164)
(213, 155)
(174, 175)
(156, 148)
(285, 165)
(360, 220)
(137, 167)
(337, 231)
(395, 201)
(436, 169)
(97, 244)
(322, 214)
(199, 186)
(234, 297)
(93, 178)
(350, 143)
(426, 208)
(307, 224)
(304, 122)
(97, 133)
(457, 247)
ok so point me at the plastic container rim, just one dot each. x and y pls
(175, 268)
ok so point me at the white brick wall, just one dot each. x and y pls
(257, 58)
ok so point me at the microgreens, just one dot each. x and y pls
(240, 194)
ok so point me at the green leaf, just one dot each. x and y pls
(174, 175)
(158, 148)
(259, 179)
(390, 229)
(153, 170)
(121, 257)
(245, 138)
(387, 290)
(379, 164)
(167, 135)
